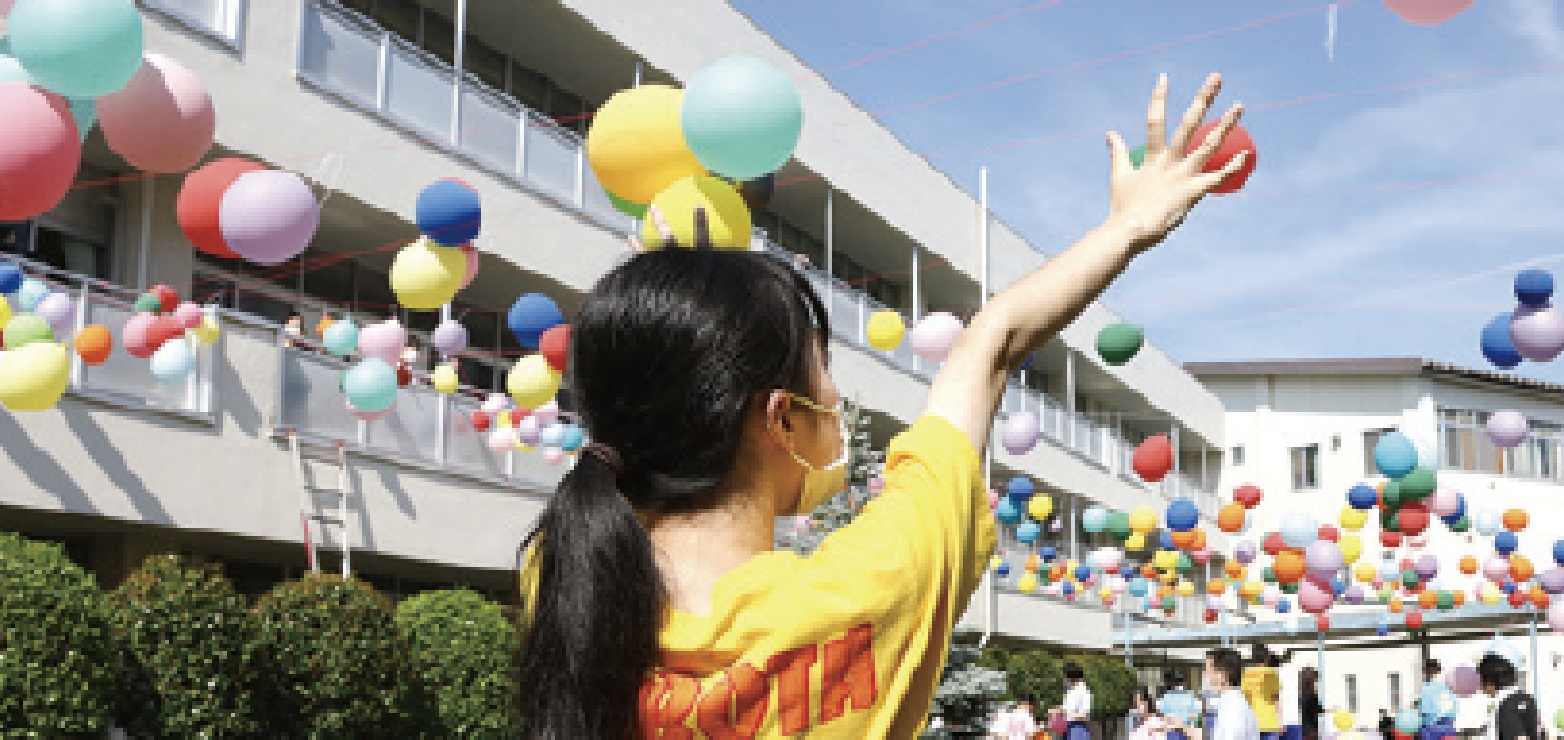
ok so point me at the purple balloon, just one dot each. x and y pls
(1552, 581)
(1245, 552)
(450, 337)
(1354, 594)
(1427, 566)
(1020, 433)
(58, 311)
(1507, 428)
(1463, 680)
(1324, 558)
(1536, 332)
(269, 216)
(933, 335)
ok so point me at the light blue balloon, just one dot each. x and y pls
(77, 48)
(1395, 455)
(572, 438)
(742, 117)
(85, 111)
(1028, 532)
(173, 362)
(1007, 512)
(1137, 587)
(1298, 530)
(1094, 519)
(1487, 522)
(32, 293)
(1409, 721)
(341, 338)
(552, 435)
(370, 385)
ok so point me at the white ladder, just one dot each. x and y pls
(308, 488)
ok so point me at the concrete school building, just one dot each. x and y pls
(372, 100)
(1305, 431)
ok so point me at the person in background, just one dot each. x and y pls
(1309, 706)
(1140, 707)
(1387, 723)
(1178, 706)
(1262, 687)
(293, 329)
(1437, 704)
(1289, 701)
(1234, 718)
(1016, 724)
(1515, 711)
(1077, 706)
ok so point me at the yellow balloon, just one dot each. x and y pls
(426, 276)
(5, 311)
(1105, 593)
(532, 382)
(1165, 559)
(207, 332)
(1342, 719)
(1364, 573)
(1490, 593)
(1251, 589)
(1135, 541)
(727, 218)
(886, 329)
(1352, 519)
(995, 561)
(34, 376)
(1351, 548)
(1186, 588)
(636, 143)
(1027, 584)
(524, 447)
(444, 378)
(502, 420)
(1143, 519)
(1040, 507)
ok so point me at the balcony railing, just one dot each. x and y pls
(352, 57)
(220, 20)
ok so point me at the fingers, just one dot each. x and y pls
(635, 244)
(1196, 113)
(1157, 119)
(702, 231)
(1215, 136)
(1118, 152)
(1214, 180)
(670, 240)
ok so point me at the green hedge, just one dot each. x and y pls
(1038, 676)
(188, 639)
(58, 664)
(463, 656)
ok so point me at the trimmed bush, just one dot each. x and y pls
(330, 660)
(463, 652)
(1030, 675)
(57, 658)
(187, 638)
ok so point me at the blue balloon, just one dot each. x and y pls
(1094, 519)
(1007, 511)
(1363, 497)
(1067, 588)
(1558, 553)
(1299, 530)
(1395, 455)
(1021, 489)
(10, 277)
(1534, 287)
(1497, 345)
(32, 292)
(1506, 542)
(1338, 586)
(1183, 515)
(1283, 606)
(1382, 630)
(370, 385)
(572, 439)
(1028, 532)
(530, 316)
(741, 117)
(1137, 587)
(1083, 572)
(449, 212)
(1003, 569)
(1508, 587)
(553, 435)
(1165, 541)
(341, 338)
(77, 48)
(1049, 553)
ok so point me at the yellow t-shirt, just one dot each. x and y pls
(1262, 687)
(850, 641)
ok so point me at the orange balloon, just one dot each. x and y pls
(1520, 568)
(1460, 598)
(1148, 571)
(1516, 520)
(1234, 570)
(1216, 587)
(1200, 540)
(1184, 540)
(1468, 565)
(1288, 566)
(1395, 605)
(94, 344)
(1539, 597)
(1427, 600)
(1230, 518)
(325, 323)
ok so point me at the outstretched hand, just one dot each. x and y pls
(1153, 200)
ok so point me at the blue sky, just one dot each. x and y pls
(1387, 221)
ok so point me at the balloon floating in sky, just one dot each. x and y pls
(1238, 140)
(1153, 458)
(1427, 12)
(40, 150)
(77, 48)
(426, 275)
(1537, 332)
(934, 335)
(741, 117)
(1118, 343)
(636, 143)
(1020, 432)
(1507, 429)
(530, 316)
(199, 206)
(163, 120)
(1496, 344)
(1395, 455)
(268, 217)
(1533, 287)
(727, 218)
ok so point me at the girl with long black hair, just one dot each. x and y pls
(657, 605)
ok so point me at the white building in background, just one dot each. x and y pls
(376, 98)
(1305, 431)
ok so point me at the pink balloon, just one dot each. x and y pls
(877, 484)
(934, 335)
(1444, 502)
(162, 120)
(40, 150)
(1020, 433)
(372, 415)
(1464, 680)
(472, 264)
(1427, 12)
(188, 315)
(137, 335)
(1496, 569)
(58, 311)
(1537, 332)
(5, 7)
(268, 217)
(1315, 594)
(546, 414)
(502, 439)
(1201, 556)
(383, 341)
(554, 455)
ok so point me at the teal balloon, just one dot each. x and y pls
(77, 48)
(341, 338)
(1094, 519)
(742, 117)
(370, 385)
(173, 362)
(85, 111)
(1138, 156)
(32, 293)
(1409, 721)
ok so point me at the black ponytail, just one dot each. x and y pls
(667, 353)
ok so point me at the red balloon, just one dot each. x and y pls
(1248, 495)
(1238, 140)
(1210, 615)
(200, 201)
(1412, 519)
(1390, 539)
(480, 421)
(1153, 458)
(1273, 544)
(1414, 620)
(1517, 598)
(167, 298)
(1329, 533)
(40, 150)
(164, 330)
(1427, 12)
(516, 415)
(555, 346)
(1322, 623)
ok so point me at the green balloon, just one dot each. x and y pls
(1290, 588)
(1119, 525)
(1418, 484)
(1268, 575)
(1184, 563)
(1393, 495)
(1462, 525)
(25, 329)
(1138, 156)
(1558, 718)
(1389, 522)
(1385, 594)
(1446, 600)
(1168, 603)
(1409, 578)
(1117, 343)
(636, 211)
(148, 303)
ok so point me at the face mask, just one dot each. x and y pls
(821, 483)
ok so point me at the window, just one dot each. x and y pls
(1395, 692)
(1237, 455)
(1465, 446)
(1305, 467)
(1335, 443)
(1370, 441)
(1352, 693)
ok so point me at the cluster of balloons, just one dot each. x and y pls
(538, 324)
(682, 150)
(1533, 331)
(427, 274)
(163, 330)
(238, 209)
(511, 427)
(34, 367)
(65, 64)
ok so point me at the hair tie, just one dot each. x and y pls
(607, 456)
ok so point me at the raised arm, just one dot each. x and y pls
(1146, 204)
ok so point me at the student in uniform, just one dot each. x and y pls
(1515, 711)
(654, 597)
(1233, 719)
(1077, 704)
